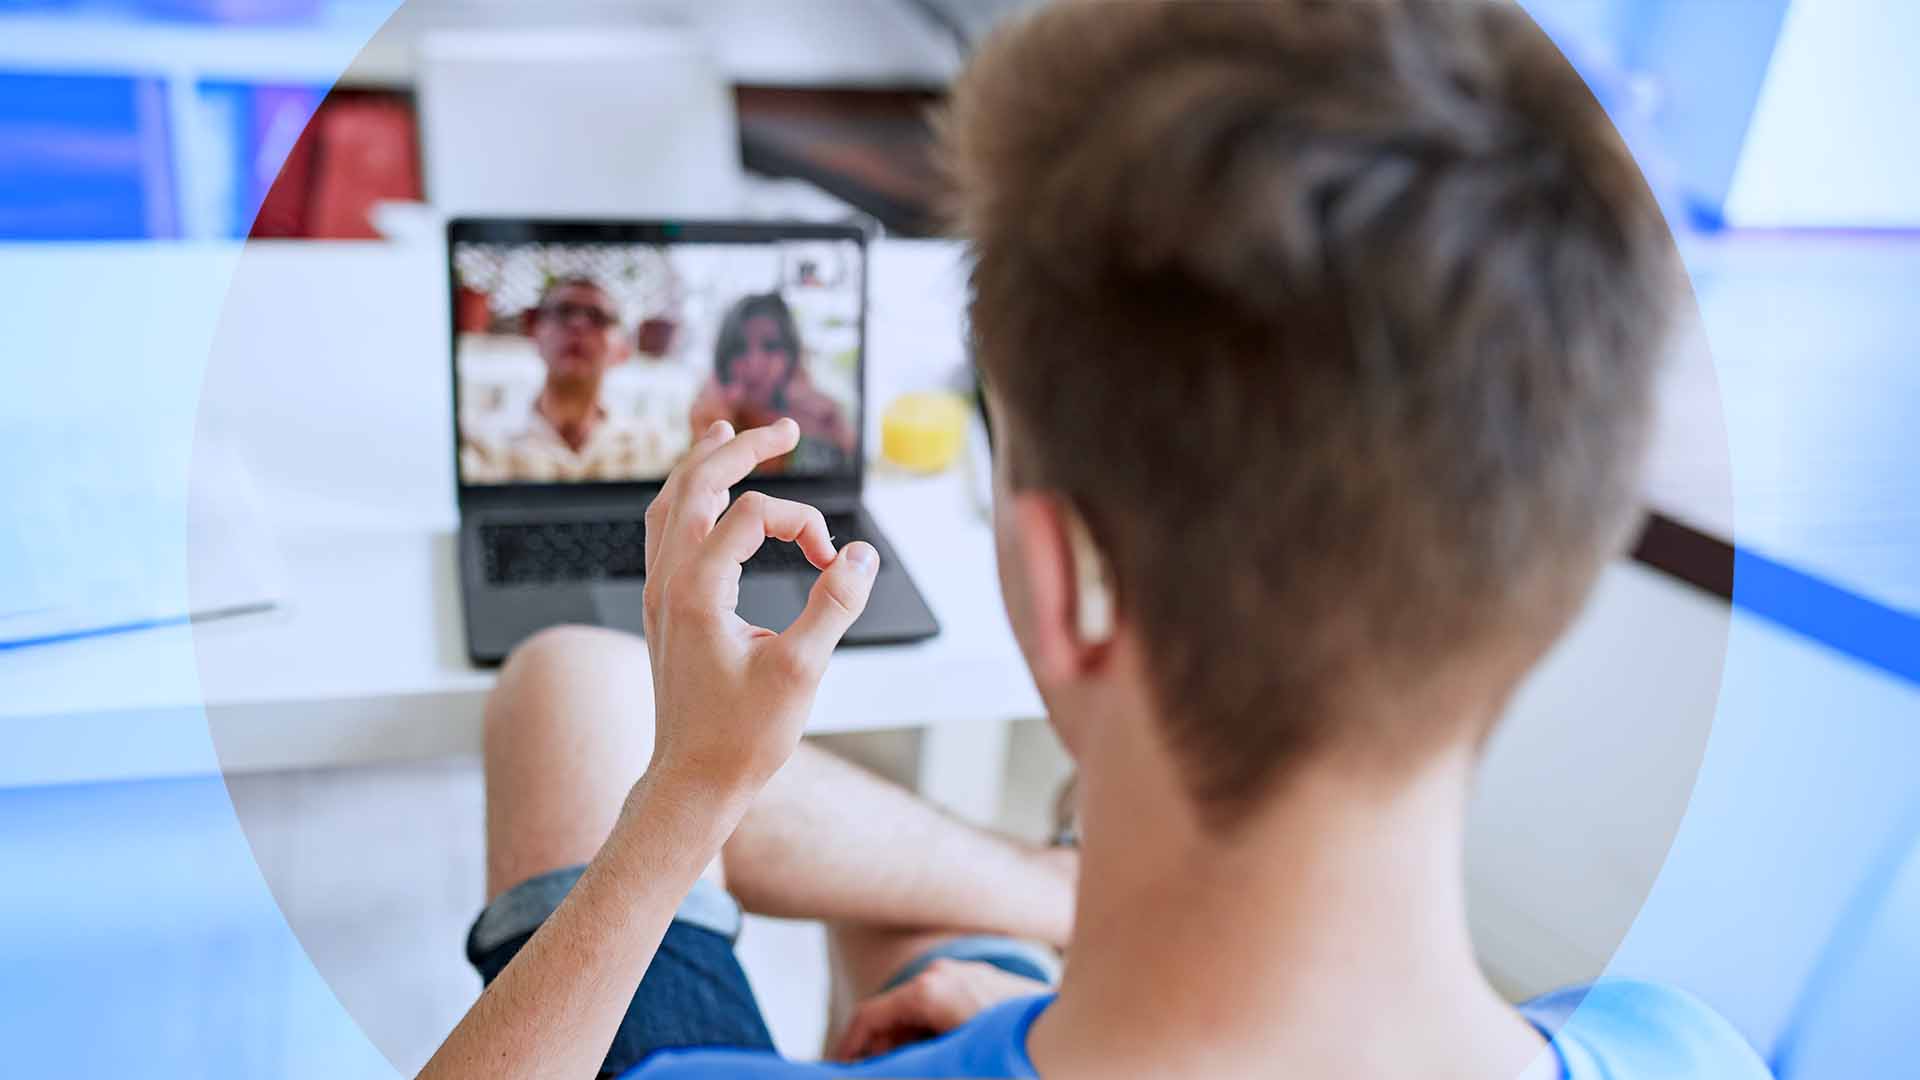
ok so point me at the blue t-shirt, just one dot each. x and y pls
(1616, 1029)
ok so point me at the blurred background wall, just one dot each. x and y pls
(172, 119)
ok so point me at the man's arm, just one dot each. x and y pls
(554, 1010)
(731, 701)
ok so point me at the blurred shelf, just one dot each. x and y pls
(837, 43)
(871, 148)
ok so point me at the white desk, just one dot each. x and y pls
(329, 376)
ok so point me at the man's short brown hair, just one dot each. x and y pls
(1338, 324)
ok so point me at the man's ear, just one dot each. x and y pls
(1068, 592)
(1092, 585)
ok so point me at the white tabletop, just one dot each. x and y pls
(328, 376)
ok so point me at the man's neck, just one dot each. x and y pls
(572, 410)
(1329, 933)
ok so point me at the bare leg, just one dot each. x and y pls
(568, 731)
(828, 840)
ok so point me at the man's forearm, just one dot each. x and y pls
(554, 1010)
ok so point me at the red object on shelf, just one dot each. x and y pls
(365, 153)
(283, 209)
(358, 149)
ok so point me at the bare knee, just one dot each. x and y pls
(569, 645)
(568, 729)
(567, 676)
(572, 656)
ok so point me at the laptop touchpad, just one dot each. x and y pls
(773, 600)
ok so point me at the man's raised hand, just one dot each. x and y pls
(731, 699)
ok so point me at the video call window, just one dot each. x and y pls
(599, 362)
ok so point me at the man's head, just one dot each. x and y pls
(757, 350)
(577, 328)
(1336, 325)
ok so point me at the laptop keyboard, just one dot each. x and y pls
(542, 552)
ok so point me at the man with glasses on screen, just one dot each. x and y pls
(568, 433)
(1320, 341)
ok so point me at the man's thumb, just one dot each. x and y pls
(837, 600)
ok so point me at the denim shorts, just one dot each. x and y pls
(695, 993)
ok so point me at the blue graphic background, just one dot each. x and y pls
(1791, 899)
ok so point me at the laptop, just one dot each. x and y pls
(586, 355)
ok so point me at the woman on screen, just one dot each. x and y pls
(758, 377)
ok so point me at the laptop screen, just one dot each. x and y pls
(598, 360)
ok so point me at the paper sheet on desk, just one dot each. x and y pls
(100, 535)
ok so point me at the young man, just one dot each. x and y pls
(1319, 339)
